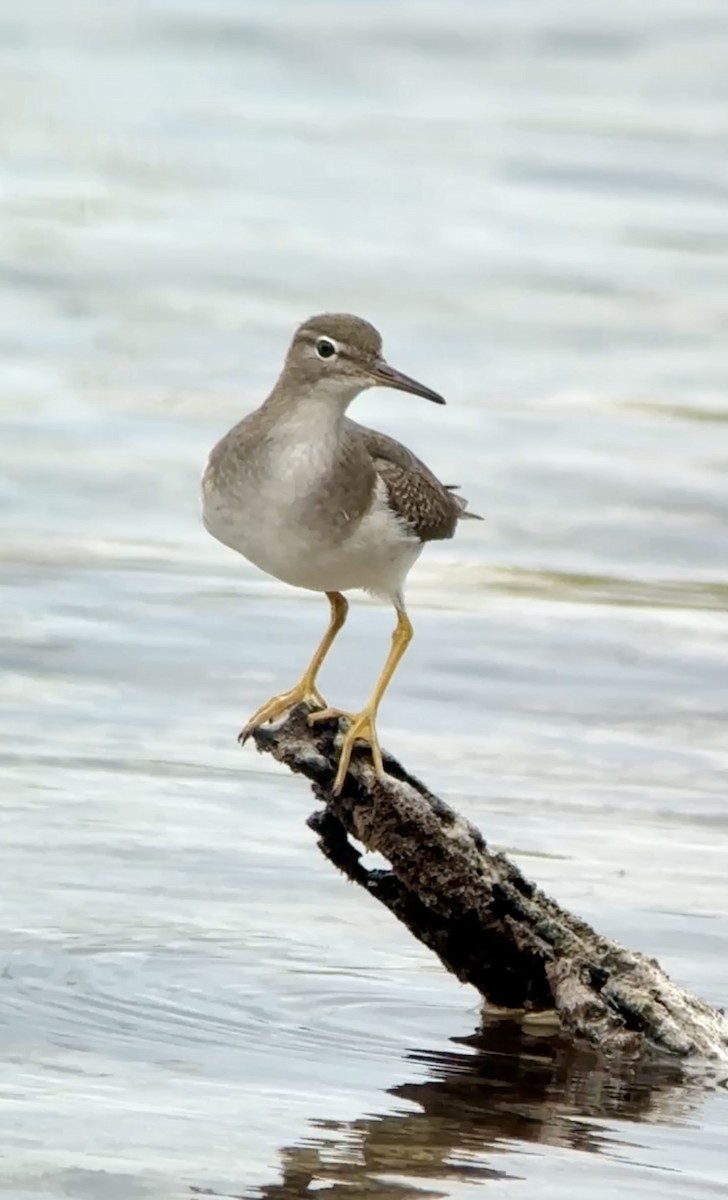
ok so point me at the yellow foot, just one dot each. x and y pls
(331, 714)
(361, 728)
(302, 693)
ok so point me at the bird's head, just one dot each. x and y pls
(339, 355)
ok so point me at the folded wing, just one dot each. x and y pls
(429, 508)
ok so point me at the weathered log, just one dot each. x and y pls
(488, 924)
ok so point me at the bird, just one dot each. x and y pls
(320, 502)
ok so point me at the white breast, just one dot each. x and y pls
(260, 516)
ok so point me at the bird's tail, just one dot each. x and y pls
(463, 514)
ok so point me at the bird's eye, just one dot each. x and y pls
(325, 348)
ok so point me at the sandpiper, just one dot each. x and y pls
(320, 502)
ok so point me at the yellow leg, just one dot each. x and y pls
(363, 724)
(305, 691)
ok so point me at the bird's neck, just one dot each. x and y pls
(318, 408)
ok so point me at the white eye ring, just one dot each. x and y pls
(326, 348)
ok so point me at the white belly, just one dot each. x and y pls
(263, 523)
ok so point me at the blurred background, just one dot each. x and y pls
(529, 199)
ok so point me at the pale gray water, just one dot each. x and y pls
(530, 199)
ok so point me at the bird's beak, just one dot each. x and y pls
(385, 376)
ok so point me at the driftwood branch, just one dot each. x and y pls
(488, 924)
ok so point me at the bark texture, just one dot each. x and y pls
(487, 923)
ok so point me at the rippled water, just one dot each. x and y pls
(530, 200)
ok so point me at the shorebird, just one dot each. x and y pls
(321, 502)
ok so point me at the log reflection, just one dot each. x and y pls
(501, 1087)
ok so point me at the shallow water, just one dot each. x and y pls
(530, 201)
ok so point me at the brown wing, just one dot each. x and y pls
(428, 507)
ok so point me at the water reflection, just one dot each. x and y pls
(510, 1086)
(707, 595)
